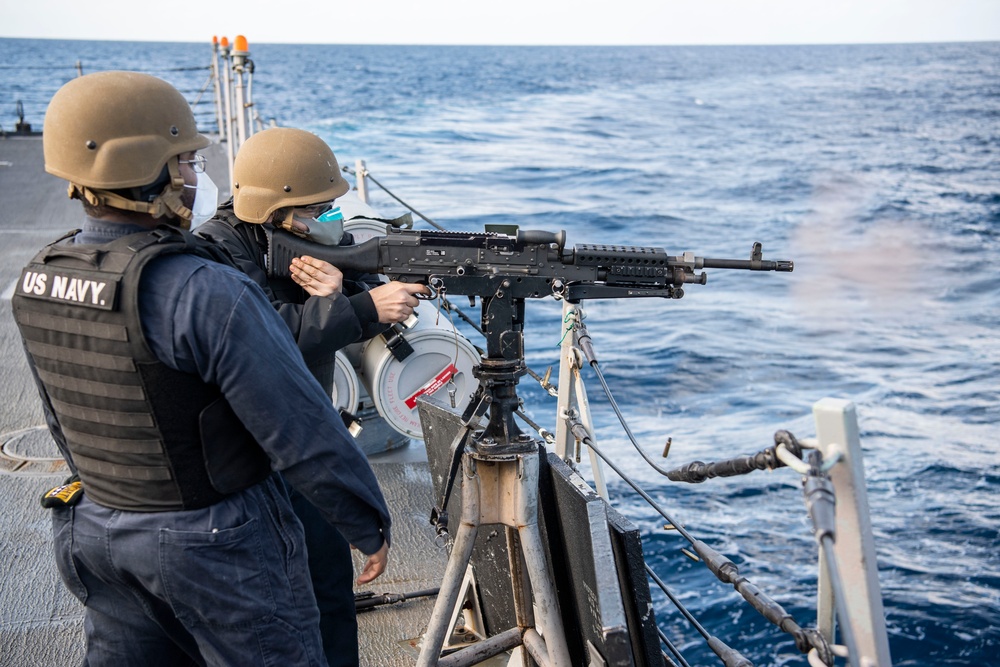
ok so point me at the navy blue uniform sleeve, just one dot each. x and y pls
(320, 324)
(210, 320)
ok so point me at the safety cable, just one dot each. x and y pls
(37, 67)
(673, 650)
(730, 656)
(192, 68)
(724, 569)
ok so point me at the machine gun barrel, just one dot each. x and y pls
(748, 265)
(755, 263)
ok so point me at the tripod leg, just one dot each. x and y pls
(546, 603)
(465, 539)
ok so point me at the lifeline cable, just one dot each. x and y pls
(730, 656)
(722, 567)
(368, 175)
(673, 650)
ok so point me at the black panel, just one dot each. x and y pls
(635, 590)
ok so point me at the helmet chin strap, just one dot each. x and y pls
(168, 203)
(286, 224)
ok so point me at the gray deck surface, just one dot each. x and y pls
(40, 622)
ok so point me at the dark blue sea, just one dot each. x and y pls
(875, 168)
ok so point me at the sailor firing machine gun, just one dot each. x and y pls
(504, 266)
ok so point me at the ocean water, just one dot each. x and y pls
(874, 168)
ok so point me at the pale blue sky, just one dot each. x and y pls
(511, 21)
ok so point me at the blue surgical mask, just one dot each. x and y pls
(328, 228)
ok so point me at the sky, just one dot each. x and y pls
(510, 21)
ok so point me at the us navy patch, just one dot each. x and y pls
(63, 286)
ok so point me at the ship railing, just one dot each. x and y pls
(29, 106)
(229, 109)
(848, 594)
(231, 76)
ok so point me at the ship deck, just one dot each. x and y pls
(40, 622)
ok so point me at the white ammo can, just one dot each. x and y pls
(435, 359)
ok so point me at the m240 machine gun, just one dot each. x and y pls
(534, 263)
(504, 266)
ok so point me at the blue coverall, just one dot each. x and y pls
(227, 584)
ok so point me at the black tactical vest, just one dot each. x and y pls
(142, 436)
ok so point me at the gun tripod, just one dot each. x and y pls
(499, 472)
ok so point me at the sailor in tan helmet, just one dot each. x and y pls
(288, 178)
(146, 348)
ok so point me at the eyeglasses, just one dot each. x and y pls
(197, 164)
(315, 210)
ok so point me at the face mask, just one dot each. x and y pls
(206, 200)
(327, 229)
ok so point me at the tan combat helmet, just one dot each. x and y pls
(117, 130)
(283, 167)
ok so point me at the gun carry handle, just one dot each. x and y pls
(538, 236)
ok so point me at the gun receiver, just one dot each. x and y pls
(526, 263)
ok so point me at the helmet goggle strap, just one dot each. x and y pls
(167, 203)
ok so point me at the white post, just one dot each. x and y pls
(240, 54)
(228, 86)
(573, 396)
(583, 408)
(360, 181)
(218, 88)
(252, 121)
(565, 441)
(837, 431)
